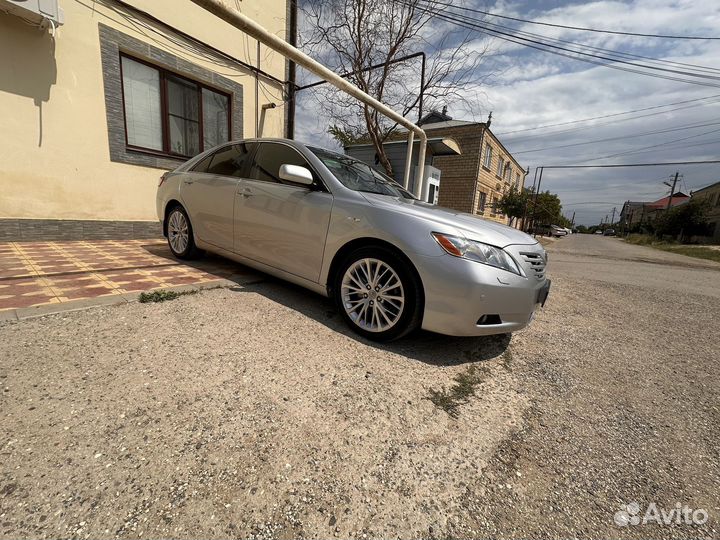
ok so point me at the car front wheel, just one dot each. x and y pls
(378, 294)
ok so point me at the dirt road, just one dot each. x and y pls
(254, 412)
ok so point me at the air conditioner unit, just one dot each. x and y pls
(34, 11)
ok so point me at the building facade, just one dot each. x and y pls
(96, 110)
(634, 214)
(710, 195)
(474, 175)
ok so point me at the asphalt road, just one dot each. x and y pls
(253, 412)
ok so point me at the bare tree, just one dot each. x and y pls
(352, 35)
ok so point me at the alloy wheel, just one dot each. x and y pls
(372, 295)
(178, 231)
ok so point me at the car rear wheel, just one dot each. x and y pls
(378, 294)
(180, 234)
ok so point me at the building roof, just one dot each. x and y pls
(706, 187)
(435, 116)
(449, 123)
(677, 198)
(439, 146)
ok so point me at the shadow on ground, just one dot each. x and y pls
(428, 347)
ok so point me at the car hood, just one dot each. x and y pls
(473, 227)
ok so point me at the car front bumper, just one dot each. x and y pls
(466, 298)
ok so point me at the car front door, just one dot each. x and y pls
(209, 191)
(281, 223)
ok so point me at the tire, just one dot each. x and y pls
(386, 310)
(180, 234)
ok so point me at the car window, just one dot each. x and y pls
(202, 165)
(230, 160)
(269, 158)
(359, 176)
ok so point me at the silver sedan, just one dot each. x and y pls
(336, 226)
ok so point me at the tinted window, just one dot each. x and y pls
(202, 165)
(359, 176)
(270, 157)
(230, 160)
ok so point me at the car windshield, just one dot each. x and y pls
(359, 176)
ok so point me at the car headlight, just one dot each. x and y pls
(477, 251)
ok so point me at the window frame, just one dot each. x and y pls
(487, 160)
(164, 109)
(318, 181)
(500, 167)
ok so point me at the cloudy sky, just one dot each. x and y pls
(678, 121)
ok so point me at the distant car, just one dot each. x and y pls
(598, 231)
(557, 231)
(609, 232)
(332, 224)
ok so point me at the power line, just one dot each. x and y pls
(572, 54)
(648, 133)
(617, 165)
(613, 115)
(654, 145)
(584, 29)
(650, 59)
(619, 120)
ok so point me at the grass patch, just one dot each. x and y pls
(162, 296)
(451, 399)
(699, 252)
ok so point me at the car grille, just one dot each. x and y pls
(536, 262)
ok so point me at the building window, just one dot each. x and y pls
(487, 163)
(517, 180)
(508, 173)
(482, 201)
(170, 114)
(500, 167)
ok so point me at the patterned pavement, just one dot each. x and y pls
(38, 273)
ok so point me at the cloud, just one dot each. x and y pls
(534, 88)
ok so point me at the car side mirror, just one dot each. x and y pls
(296, 173)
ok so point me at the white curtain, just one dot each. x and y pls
(141, 89)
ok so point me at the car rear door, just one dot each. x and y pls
(280, 223)
(209, 193)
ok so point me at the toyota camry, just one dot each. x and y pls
(336, 226)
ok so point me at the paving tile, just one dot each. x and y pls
(39, 277)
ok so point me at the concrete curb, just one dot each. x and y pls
(20, 314)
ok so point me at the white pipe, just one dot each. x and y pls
(408, 159)
(253, 29)
(420, 181)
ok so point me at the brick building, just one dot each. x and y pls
(475, 177)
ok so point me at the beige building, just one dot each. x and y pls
(95, 110)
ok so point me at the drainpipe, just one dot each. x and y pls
(254, 30)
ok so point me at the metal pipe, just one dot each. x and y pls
(254, 30)
(419, 179)
(408, 159)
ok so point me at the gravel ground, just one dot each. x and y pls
(252, 411)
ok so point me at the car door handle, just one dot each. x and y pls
(246, 192)
(186, 181)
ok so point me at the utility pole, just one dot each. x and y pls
(672, 189)
(572, 221)
(612, 221)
